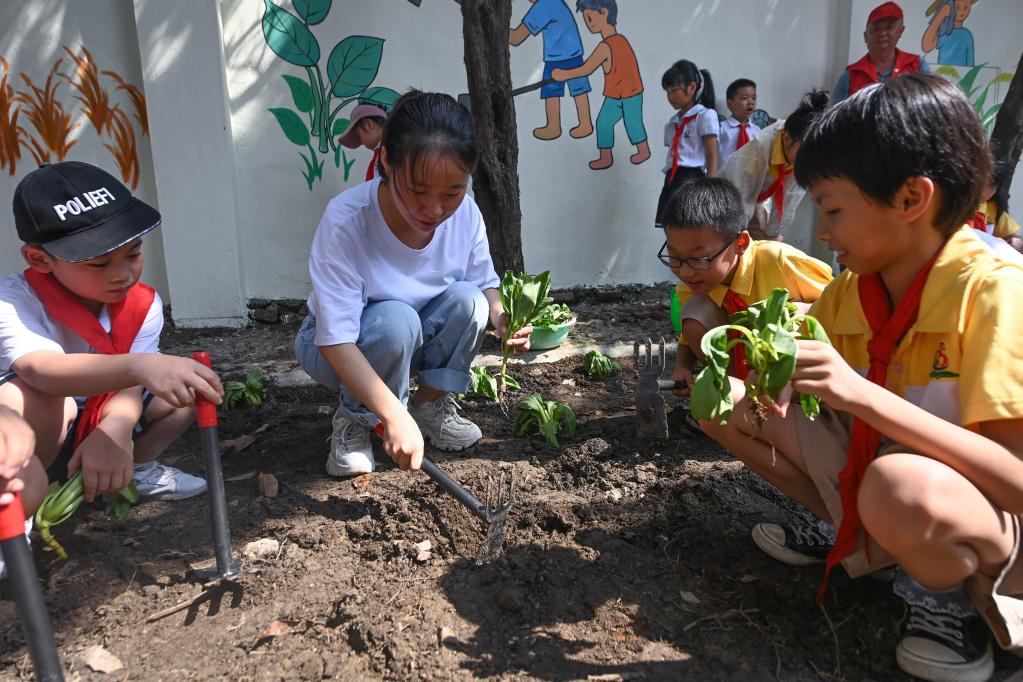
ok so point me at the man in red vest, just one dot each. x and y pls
(883, 59)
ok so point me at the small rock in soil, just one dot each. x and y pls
(509, 599)
(268, 485)
(446, 635)
(101, 660)
(261, 549)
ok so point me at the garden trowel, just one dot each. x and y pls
(651, 421)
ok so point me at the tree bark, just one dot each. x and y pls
(485, 26)
(1007, 136)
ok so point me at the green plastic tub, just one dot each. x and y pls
(545, 338)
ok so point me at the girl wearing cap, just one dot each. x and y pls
(366, 129)
(403, 284)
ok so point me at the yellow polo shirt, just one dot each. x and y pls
(1004, 225)
(765, 266)
(962, 360)
(777, 160)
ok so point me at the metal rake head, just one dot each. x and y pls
(497, 503)
(651, 364)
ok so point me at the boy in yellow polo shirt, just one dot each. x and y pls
(721, 270)
(917, 456)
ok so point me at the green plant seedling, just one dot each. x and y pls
(252, 391)
(768, 330)
(481, 383)
(523, 297)
(547, 416)
(62, 501)
(553, 315)
(598, 365)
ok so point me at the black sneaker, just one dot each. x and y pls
(794, 545)
(940, 647)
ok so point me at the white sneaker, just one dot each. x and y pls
(351, 452)
(157, 481)
(441, 422)
(28, 539)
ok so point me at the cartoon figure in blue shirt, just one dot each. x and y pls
(562, 49)
(946, 32)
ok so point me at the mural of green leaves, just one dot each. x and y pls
(351, 68)
(977, 94)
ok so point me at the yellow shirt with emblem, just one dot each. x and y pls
(962, 360)
(1004, 224)
(764, 267)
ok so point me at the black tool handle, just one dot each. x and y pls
(671, 384)
(532, 86)
(28, 598)
(454, 489)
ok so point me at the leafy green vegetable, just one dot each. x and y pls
(553, 315)
(596, 364)
(482, 384)
(251, 391)
(523, 297)
(768, 330)
(62, 501)
(547, 416)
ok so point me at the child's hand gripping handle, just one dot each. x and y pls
(205, 411)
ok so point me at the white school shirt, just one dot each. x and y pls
(690, 146)
(356, 260)
(728, 137)
(749, 169)
(25, 327)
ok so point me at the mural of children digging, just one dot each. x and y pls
(623, 87)
(946, 32)
(562, 49)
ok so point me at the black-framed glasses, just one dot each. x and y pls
(701, 263)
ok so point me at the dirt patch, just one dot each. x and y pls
(624, 559)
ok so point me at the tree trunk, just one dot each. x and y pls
(485, 26)
(1007, 136)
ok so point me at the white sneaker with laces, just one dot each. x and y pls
(157, 481)
(442, 423)
(351, 452)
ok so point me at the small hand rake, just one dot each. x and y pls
(493, 512)
(651, 421)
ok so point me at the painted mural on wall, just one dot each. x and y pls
(982, 85)
(316, 122)
(946, 32)
(52, 133)
(564, 65)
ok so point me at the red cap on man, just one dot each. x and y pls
(886, 10)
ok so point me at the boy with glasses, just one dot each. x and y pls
(721, 270)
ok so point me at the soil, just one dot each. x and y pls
(623, 559)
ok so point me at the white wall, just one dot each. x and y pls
(31, 38)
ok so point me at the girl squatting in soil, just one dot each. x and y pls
(403, 284)
(917, 457)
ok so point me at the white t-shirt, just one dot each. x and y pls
(25, 327)
(728, 137)
(690, 146)
(356, 260)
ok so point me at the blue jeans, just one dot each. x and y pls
(436, 344)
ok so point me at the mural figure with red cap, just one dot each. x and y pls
(883, 59)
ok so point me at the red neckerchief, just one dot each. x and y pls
(735, 303)
(777, 190)
(126, 318)
(887, 329)
(680, 129)
(743, 136)
(371, 171)
(979, 221)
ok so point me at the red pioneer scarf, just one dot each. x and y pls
(743, 136)
(777, 189)
(126, 318)
(888, 328)
(371, 171)
(680, 129)
(979, 221)
(735, 303)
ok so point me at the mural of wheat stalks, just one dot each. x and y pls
(12, 135)
(138, 99)
(46, 114)
(123, 147)
(91, 93)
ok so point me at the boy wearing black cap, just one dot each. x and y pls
(77, 322)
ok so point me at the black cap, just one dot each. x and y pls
(78, 212)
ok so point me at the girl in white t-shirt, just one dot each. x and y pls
(403, 284)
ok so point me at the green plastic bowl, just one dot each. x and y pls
(545, 338)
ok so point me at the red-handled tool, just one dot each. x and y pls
(28, 598)
(228, 566)
(493, 512)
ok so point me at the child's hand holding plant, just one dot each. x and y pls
(522, 299)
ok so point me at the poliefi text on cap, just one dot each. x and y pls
(77, 211)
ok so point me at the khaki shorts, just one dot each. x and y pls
(825, 443)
